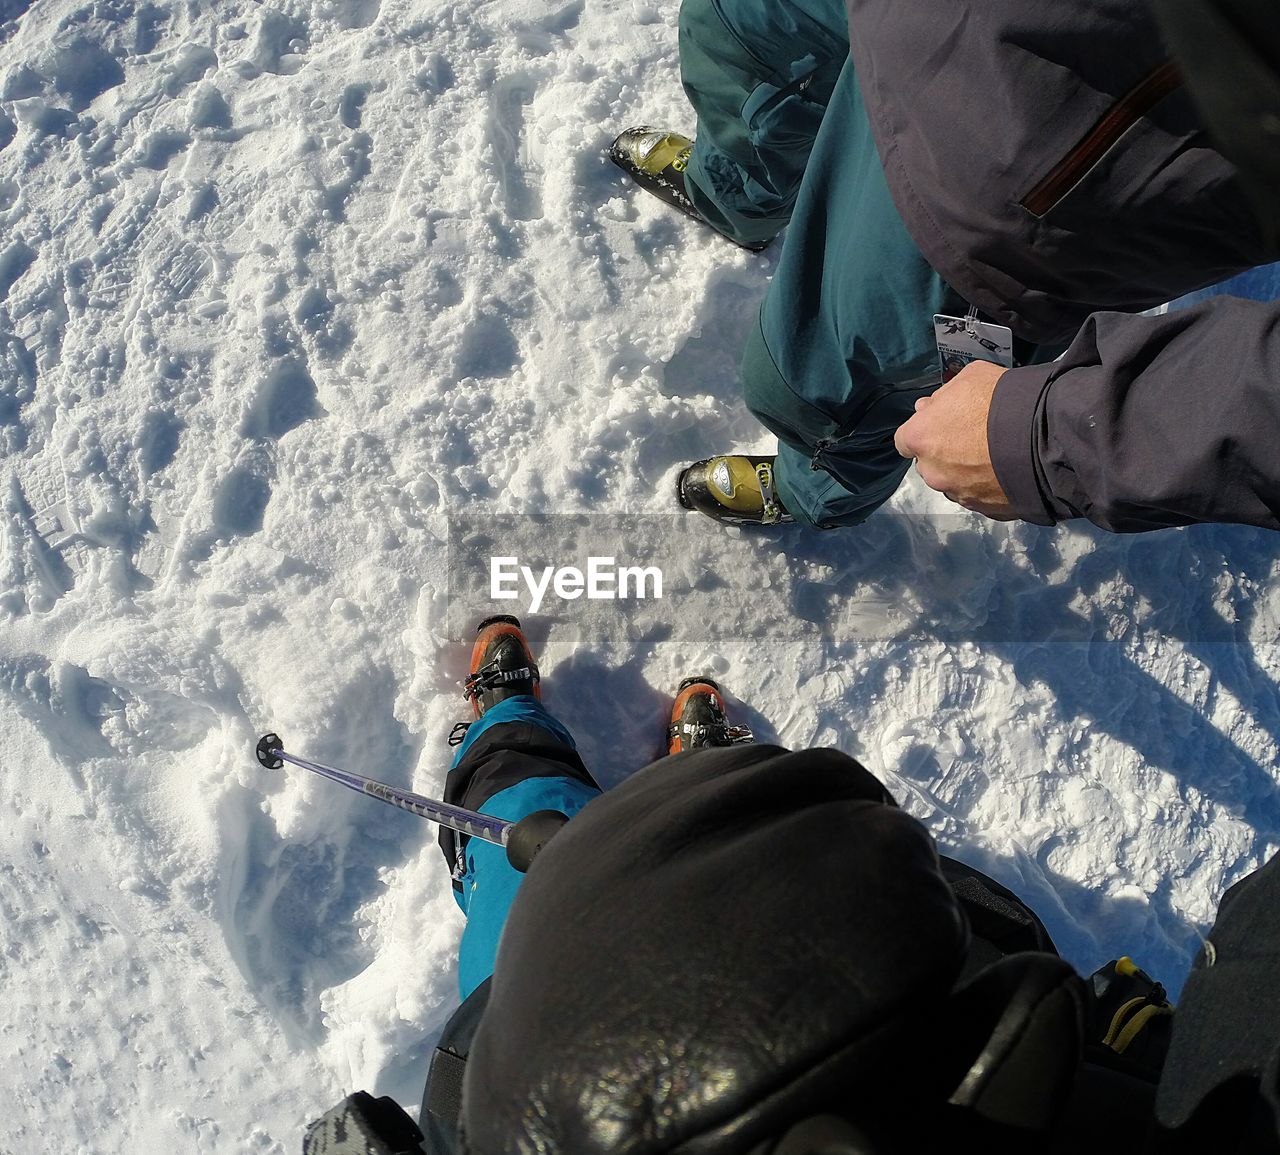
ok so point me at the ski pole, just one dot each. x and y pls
(522, 839)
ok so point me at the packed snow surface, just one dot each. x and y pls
(288, 289)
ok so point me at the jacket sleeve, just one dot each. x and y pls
(1146, 422)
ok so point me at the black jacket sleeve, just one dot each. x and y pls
(1146, 422)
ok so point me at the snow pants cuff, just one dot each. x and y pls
(517, 740)
(487, 883)
(516, 759)
(823, 481)
(758, 74)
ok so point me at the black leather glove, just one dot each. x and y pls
(733, 939)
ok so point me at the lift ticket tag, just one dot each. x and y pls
(965, 339)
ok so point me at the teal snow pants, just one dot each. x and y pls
(516, 759)
(844, 344)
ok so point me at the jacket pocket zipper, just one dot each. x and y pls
(1119, 118)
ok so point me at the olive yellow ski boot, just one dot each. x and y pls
(656, 159)
(735, 489)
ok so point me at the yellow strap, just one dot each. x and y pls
(1136, 1024)
(1117, 1020)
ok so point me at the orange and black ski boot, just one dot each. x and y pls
(698, 719)
(502, 664)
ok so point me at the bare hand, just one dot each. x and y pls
(948, 438)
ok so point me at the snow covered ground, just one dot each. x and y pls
(284, 288)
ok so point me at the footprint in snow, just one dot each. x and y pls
(540, 34)
(350, 109)
(82, 71)
(18, 371)
(15, 260)
(509, 140)
(280, 44)
(33, 572)
(241, 501)
(315, 315)
(358, 13)
(488, 348)
(285, 399)
(159, 148)
(209, 109)
(192, 62)
(157, 443)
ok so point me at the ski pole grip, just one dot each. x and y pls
(530, 835)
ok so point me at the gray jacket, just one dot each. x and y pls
(1048, 162)
(1147, 422)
